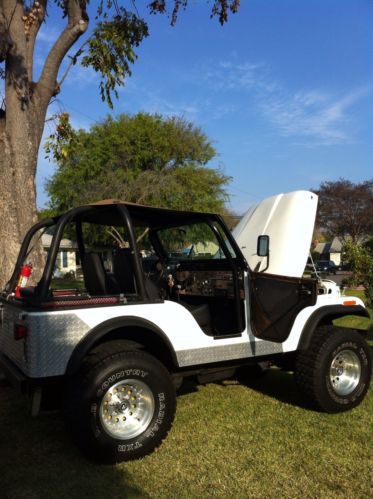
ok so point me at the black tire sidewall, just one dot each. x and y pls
(328, 398)
(127, 366)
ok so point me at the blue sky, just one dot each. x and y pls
(284, 90)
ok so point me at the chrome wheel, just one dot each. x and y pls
(127, 409)
(345, 372)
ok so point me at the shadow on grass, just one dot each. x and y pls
(272, 383)
(279, 385)
(38, 459)
(190, 385)
(370, 337)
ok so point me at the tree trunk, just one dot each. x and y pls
(17, 199)
(9, 232)
(21, 127)
(22, 123)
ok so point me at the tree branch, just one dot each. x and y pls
(73, 62)
(142, 235)
(40, 8)
(117, 236)
(76, 26)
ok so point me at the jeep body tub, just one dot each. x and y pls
(166, 294)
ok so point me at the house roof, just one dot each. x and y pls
(334, 247)
(46, 240)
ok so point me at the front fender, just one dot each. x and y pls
(326, 315)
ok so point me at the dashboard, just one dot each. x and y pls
(205, 282)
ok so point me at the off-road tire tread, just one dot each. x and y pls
(308, 363)
(95, 361)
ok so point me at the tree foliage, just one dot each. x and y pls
(110, 47)
(145, 158)
(360, 260)
(346, 209)
(102, 35)
(368, 245)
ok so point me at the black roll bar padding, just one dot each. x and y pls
(79, 238)
(48, 270)
(139, 274)
(48, 222)
(52, 254)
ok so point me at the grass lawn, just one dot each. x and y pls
(228, 440)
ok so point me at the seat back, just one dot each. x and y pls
(94, 274)
(97, 280)
(123, 270)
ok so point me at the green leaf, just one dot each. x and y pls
(111, 50)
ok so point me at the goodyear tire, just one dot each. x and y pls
(335, 371)
(121, 407)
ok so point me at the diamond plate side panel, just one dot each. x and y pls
(226, 352)
(8, 345)
(52, 339)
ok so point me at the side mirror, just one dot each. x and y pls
(263, 246)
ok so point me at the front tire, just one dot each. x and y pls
(335, 371)
(121, 407)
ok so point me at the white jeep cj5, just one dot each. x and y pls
(161, 295)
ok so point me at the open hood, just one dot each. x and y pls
(288, 220)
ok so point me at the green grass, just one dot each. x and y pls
(63, 283)
(228, 440)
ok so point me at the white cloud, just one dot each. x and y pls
(152, 102)
(79, 76)
(227, 75)
(198, 110)
(321, 118)
(314, 116)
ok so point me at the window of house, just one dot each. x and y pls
(66, 271)
(65, 262)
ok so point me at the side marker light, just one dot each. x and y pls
(349, 302)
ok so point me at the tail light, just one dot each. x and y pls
(20, 331)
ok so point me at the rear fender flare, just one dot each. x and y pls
(98, 333)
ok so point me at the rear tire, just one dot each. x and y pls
(335, 371)
(120, 407)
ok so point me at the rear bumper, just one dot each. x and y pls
(20, 381)
(13, 374)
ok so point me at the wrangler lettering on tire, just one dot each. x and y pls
(121, 407)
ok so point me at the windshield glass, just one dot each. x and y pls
(191, 242)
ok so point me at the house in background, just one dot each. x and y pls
(330, 251)
(66, 260)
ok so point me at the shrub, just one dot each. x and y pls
(361, 262)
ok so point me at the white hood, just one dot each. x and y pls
(288, 220)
